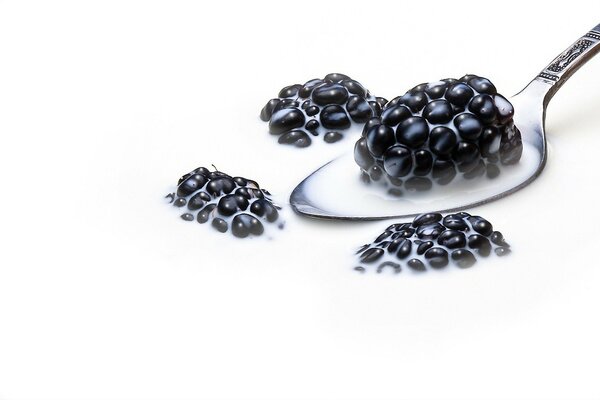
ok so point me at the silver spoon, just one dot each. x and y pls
(530, 113)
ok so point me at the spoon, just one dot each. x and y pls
(320, 193)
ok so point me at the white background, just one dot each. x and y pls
(106, 293)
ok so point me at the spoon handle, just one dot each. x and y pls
(567, 63)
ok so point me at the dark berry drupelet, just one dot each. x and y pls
(433, 241)
(230, 203)
(321, 107)
(439, 130)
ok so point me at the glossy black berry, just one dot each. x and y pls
(502, 251)
(289, 91)
(484, 108)
(416, 264)
(404, 230)
(424, 246)
(442, 140)
(468, 126)
(220, 185)
(332, 137)
(264, 207)
(312, 111)
(198, 200)
(296, 138)
(481, 225)
(423, 162)
(379, 139)
(453, 222)
(489, 142)
(412, 132)
(285, 120)
(336, 77)
(498, 239)
(415, 100)
(480, 243)
(331, 93)
(220, 224)
(312, 125)
(397, 161)
(284, 104)
(430, 231)
(419, 88)
(187, 217)
(404, 248)
(426, 219)
(243, 225)
(354, 87)
(463, 258)
(451, 127)
(375, 121)
(392, 116)
(244, 192)
(381, 102)
(308, 87)
(371, 255)
(191, 184)
(362, 156)
(438, 112)
(437, 257)
(394, 243)
(204, 214)
(452, 239)
(383, 236)
(359, 109)
(482, 85)
(228, 205)
(435, 90)
(334, 117)
(459, 94)
(376, 173)
(267, 111)
(180, 202)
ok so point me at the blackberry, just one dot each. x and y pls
(439, 130)
(230, 203)
(321, 107)
(433, 241)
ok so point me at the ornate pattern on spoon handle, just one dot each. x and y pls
(569, 61)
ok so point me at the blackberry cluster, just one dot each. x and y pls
(321, 106)
(436, 130)
(234, 203)
(434, 241)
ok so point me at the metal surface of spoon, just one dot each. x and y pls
(530, 112)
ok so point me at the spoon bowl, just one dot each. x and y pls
(335, 191)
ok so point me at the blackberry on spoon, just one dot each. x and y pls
(437, 131)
